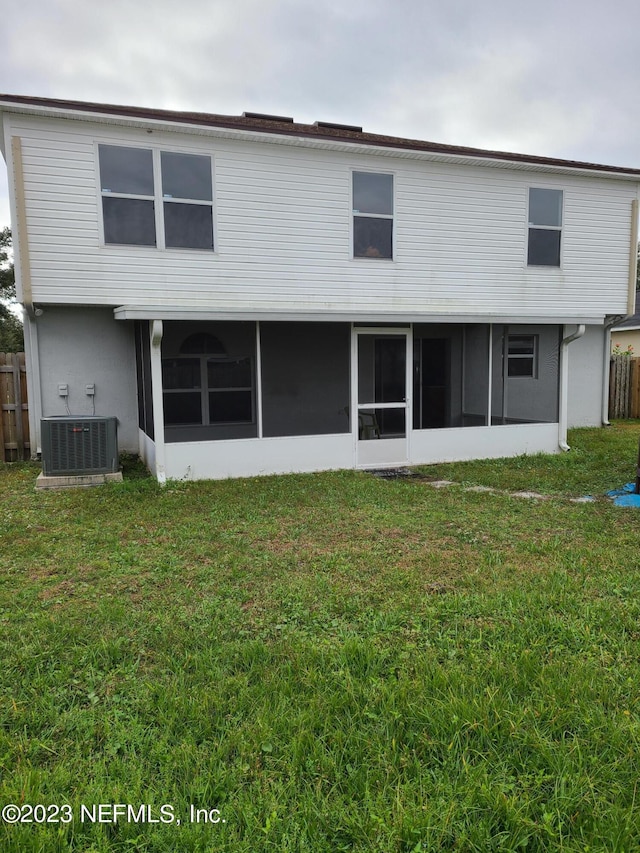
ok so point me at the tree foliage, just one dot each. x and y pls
(11, 332)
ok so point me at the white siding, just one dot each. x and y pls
(283, 233)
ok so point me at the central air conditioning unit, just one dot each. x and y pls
(79, 445)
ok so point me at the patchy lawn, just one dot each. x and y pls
(335, 662)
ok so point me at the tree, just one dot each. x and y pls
(11, 332)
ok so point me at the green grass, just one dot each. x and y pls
(335, 662)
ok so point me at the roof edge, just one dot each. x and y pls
(180, 312)
(317, 131)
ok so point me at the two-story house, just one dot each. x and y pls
(250, 295)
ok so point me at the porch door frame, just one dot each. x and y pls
(389, 452)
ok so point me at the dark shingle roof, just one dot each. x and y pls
(319, 130)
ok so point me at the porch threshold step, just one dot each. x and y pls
(78, 481)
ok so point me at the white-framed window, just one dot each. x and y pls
(545, 227)
(522, 356)
(372, 194)
(156, 198)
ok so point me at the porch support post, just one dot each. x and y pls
(490, 383)
(353, 403)
(156, 396)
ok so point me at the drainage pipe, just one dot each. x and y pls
(564, 385)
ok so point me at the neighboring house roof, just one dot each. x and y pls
(281, 125)
(629, 325)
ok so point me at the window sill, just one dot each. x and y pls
(133, 247)
(374, 260)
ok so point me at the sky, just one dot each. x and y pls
(555, 77)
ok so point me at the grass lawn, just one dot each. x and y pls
(335, 662)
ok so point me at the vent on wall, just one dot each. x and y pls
(76, 446)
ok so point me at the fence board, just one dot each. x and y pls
(14, 408)
(624, 387)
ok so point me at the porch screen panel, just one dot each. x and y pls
(526, 375)
(143, 373)
(475, 375)
(209, 381)
(437, 376)
(305, 378)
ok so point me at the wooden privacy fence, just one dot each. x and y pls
(624, 387)
(14, 413)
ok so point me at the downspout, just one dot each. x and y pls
(564, 385)
(22, 263)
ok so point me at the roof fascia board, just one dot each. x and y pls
(302, 141)
(167, 312)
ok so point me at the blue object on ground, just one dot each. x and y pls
(628, 487)
(627, 500)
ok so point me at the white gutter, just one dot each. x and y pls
(321, 313)
(564, 385)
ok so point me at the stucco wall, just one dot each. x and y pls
(585, 378)
(81, 346)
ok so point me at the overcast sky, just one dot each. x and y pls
(553, 77)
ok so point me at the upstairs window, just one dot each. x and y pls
(522, 355)
(187, 194)
(144, 190)
(128, 207)
(545, 227)
(372, 215)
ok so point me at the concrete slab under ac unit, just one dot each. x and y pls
(78, 481)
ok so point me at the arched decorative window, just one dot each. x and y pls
(204, 385)
(202, 343)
